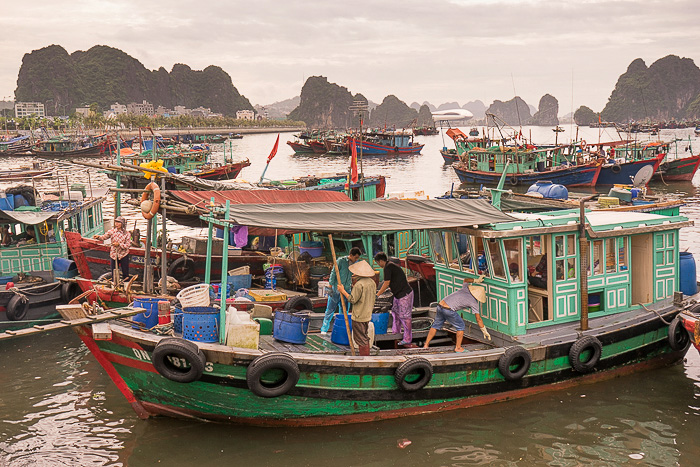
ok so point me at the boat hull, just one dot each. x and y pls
(571, 176)
(678, 170)
(374, 149)
(337, 389)
(611, 174)
(43, 299)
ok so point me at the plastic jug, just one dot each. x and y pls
(241, 331)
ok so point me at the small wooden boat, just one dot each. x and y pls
(385, 143)
(678, 170)
(23, 174)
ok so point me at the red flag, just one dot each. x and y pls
(353, 161)
(274, 149)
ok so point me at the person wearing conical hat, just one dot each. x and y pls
(362, 298)
(469, 296)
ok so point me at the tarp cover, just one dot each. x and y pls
(25, 217)
(367, 216)
(202, 198)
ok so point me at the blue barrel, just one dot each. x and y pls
(148, 318)
(381, 322)
(176, 314)
(549, 190)
(340, 334)
(689, 282)
(291, 327)
(200, 323)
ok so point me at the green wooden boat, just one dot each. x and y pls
(607, 308)
(33, 262)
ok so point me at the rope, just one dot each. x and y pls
(24, 292)
(656, 313)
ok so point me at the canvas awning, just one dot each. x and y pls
(369, 216)
(25, 217)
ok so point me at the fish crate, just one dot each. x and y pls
(267, 295)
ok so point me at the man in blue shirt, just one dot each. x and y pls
(468, 296)
(333, 305)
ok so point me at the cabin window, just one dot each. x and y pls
(91, 218)
(565, 257)
(451, 251)
(466, 248)
(596, 256)
(438, 248)
(622, 254)
(665, 249)
(494, 249)
(610, 253)
(514, 258)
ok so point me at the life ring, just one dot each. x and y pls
(156, 200)
(298, 303)
(69, 290)
(264, 386)
(678, 336)
(513, 181)
(182, 269)
(514, 363)
(585, 344)
(616, 169)
(420, 366)
(584, 145)
(178, 360)
(17, 307)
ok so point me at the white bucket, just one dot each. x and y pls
(323, 288)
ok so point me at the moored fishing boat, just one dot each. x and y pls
(384, 143)
(64, 146)
(604, 312)
(15, 145)
(33, 252)
(678, 170)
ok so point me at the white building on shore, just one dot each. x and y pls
(26, 109)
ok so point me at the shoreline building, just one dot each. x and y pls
(27, 109)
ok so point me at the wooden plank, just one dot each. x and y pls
(23, 332)
(48, 327)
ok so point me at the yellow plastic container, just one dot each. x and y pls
(267, 295)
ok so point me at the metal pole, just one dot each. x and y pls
(584, 262)
(342, 300)
(224, 275)
(163, 248)
(118, 197)
(147, 274)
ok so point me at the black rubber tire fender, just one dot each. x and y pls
(69, 290)
(414, 365)
(581, 345)
(186, 264)
(616, 169)
(513, 181)
(273, 361)
(105, 277)
(299, 303)
(518, 356)
(678, 336)
(174, 349)
(17, 307)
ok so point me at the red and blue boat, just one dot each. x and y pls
(387, 143)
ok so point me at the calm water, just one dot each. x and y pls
(57, 406)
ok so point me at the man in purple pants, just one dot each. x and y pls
(401, 309)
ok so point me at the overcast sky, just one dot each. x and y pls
(434, 50)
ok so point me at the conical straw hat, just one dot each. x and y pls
(478, 292)
(362, 269)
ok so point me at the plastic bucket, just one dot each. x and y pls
(148, 318)
(7, 202)
(381, 322)
(176, 315)
(200, 323)
(689, 284)
(291, 327)
(340, 334)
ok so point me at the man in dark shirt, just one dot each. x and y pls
(402, 307)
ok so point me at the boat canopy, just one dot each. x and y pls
(25, 217)
(369, 216)
(203, 198)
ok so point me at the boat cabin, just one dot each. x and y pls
(535, 268)
(33, 236)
